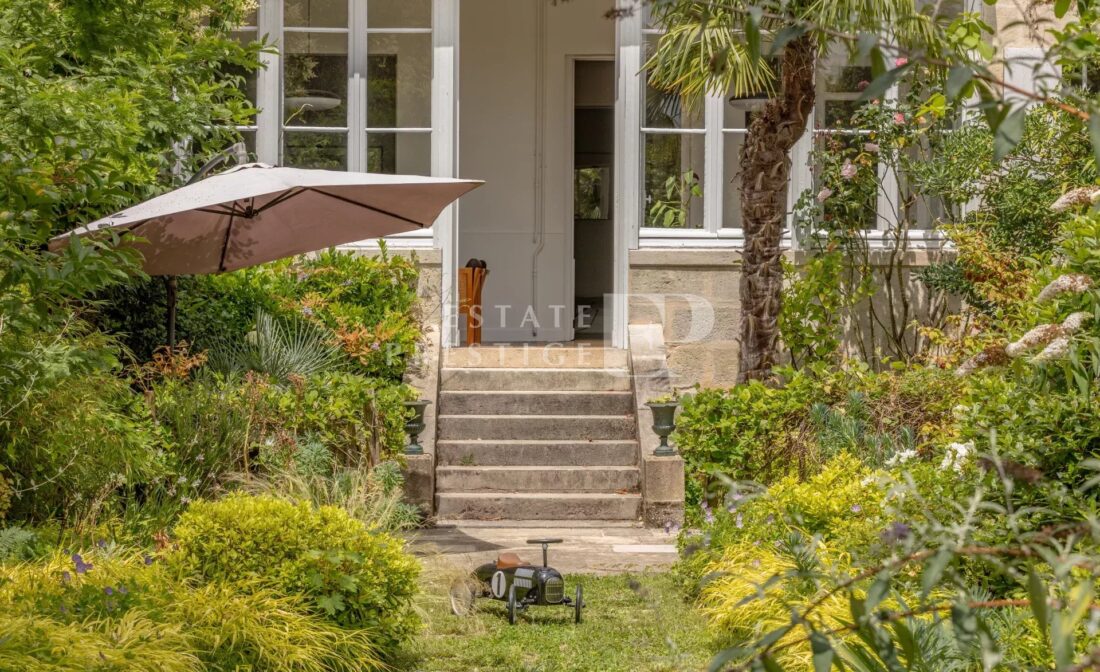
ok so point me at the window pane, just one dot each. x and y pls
(399, 13)
(249, 138)
(731, 189)
(246, 79)
(315, 13)
(668, 110)
(315, 150)
(399, 80)
(399, 153)
(315, 79)
(674, 181)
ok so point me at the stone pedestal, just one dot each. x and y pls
(420, 481)
(663, 490)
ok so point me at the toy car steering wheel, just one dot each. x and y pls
(545, 543)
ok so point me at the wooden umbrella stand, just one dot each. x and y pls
(471, 280)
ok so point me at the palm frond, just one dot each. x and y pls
(277, 347)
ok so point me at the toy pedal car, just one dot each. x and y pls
(517, 583)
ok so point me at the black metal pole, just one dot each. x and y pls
(171, 288)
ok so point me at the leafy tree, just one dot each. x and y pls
(96, 98)
(730, 46)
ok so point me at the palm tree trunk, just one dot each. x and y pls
(765, 175)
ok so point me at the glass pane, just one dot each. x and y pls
(249, 138)
(315, 79)
(668, 110)
(399, 80)
(315, 13)
(592, 193)
(252, 18)
(246, 80)
(674, 181)
(315, 150)
(399, 153)
(399, 13)
(731, 188)
(838, 113)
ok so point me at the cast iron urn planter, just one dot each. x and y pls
(664, 422)
(415, 425)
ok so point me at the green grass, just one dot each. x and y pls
(631, 623)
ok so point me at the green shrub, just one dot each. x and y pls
(758, 432)
(356, 577)
(70, 448)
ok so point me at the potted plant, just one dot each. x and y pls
(664, 421)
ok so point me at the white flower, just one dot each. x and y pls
(1076, 197)
(871, 147)
(1040, 335)
(1075, 321)
(1074, 283)
(1056, 350)
(901, 457)
(955, 456)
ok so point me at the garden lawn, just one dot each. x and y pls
(631, 622)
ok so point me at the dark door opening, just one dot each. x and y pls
(593, 223)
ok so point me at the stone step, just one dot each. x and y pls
(541, 427)
(538, 453)
(535, 403)
(540, 356)
(537, 506)
(561, 380)
(535, 479)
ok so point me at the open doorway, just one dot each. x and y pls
(593, 181)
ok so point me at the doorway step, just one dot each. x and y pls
(537, 433)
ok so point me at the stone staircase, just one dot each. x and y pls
(537, 434)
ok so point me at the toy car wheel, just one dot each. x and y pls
(578, 605)
(463, 593)
(512, 605)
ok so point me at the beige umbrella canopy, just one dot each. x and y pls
(256, 213)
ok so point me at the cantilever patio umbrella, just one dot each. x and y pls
(255, 213)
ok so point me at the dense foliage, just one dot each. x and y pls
(352, 575)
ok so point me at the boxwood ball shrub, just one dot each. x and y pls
(355, 576)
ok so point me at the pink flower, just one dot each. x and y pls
(863, 84)
(870, 147)
(824, 194)
(901, 61)
(848, 170)
(899, 118)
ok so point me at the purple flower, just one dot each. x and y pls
(895, 533)
(101, 543)
(856, 508)
(109, 591)
(709, 516)
(147, 559)
(66, 577)
(769, 520)
(81, 566)
(123, 590)
(375, 346)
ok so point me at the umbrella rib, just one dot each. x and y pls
(368, 207)
(225, 243)
(280, 199)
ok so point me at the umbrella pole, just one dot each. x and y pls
(171, 288)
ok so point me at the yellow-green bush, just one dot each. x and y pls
(130, 613)
(742, 605)
(355, 576)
